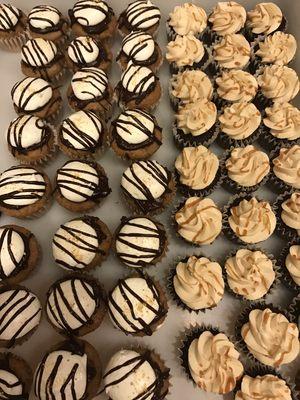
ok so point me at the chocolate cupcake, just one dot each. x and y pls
(140, 242)
(289, 262)
(137, 306)
(13, 23)
(286, 166)
(81, 244)
(288, 215)
(19, 254)
(24, 191)
(148, 187)
(20, 315)
(135, 135)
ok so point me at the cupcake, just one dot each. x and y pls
(137, 373)
(135, 135)
(139, 15)
(24, 191)
(69, 368)
(198, 171)
(30, 139)
(19, 254)
(93, 18)
(82, 135)
(141, 49)
(81, 185)
(288, 215)
(290, 264)
(13, 23)
(139, 87)
(227, 17)
(81, 244)
(140, 242)
(75, 305)
(246, 169)
(198, 221)
(35, 96)
(286, 168)
(20, 315)
(148, 187)
(90, 91)
(137, 306)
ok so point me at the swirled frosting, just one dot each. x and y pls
(279, 83)
(279, 48)
(199, 220)
(214, 363)
(232, 52)
(250, 273)
(252, 221)
(264, 18)
(198, 282)
(228, 17)
(188, 19)
(196, 118)
(197, 167)
(247, 166)
(283, 120)
(286, 166)
(292, 263)
(190, 86)
(185, 50)
(240, 120)
(271, 338)
(290, 213)
(237, 86)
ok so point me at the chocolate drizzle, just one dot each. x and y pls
(44, 9)
(6, 23)
(142, 43)
(6, 360)
(34, 55)
(137, 14)
(87, 44)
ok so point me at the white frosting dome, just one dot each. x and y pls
(135, 126)
(9, 17)
(12, 250)
(83, 50)
(142, 14)
(137, 79)
(43, 17)
(38, 52)
(90, 12)
(139, 46)
(26, 131)
(30, 94)
(10, 385)
(89, 83)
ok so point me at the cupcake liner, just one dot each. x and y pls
(202, 65)
(284, 231)
(285, 275)
(270, 142)
(294, 309)
(188, 140)
(14, 44)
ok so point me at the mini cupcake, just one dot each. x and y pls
(35, 96)
(90, 91)
(288, 215)
(289, 262)
(139, 87)
(137, 306)
(69, 368)
(286, 168)
(81, 185)
(198, 221)
(139, 15)
(93, 18)
(81, 244)
(198, 171)
(30, 139)
(141, 49)
(148, 187)
(246, 169)
(13, 23)
(82, 135)
(75, 305)
(19, 254)
(135, 135)
(20, 315)
(140, 242)
(24, 191)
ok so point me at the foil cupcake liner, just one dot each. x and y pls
(286, 277)
(188, 140)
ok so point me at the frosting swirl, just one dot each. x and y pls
(279, 48)
(292, 263)
(214, 363)
(283, 120)
(263, 387)
(286, 166)
(197, 167)
(188, 19)
(252, 221)
(240, 120)
(232, 52)
(228, 17)
(250, 273)
(198, 282)
(271, 338)
(237, 86)
(190, 86)
(290, 213)
(199, 220)
(264, 18)
(185, 50)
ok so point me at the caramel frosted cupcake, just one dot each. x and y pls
(13, 23)
(289, 262)
(286, 168)
(227, 17)
(288, 215)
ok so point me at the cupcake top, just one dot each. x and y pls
(240, 120)
(237, 86)
(270, 337)
(279, 48)
(283, 120)
(286, 166)
(197, 167)
(90, 14)
(39, 52)
(292, 263)
(191, 85)
(265, 18)
(44, 18)
(227, 17)
(232, 52)
(89, 83)
(137, 80)
(198, 282)
(199, 220)
(196, 118)
(140, 241)
(252, 220)
(139, 47)
(188, 18)
(185, 50)
(250, 273)
(214, 363)
(142, 15)
(247, 166)
(290, 212)
(15, 377)
(9, 17)
(279, 83)
(85, 51)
